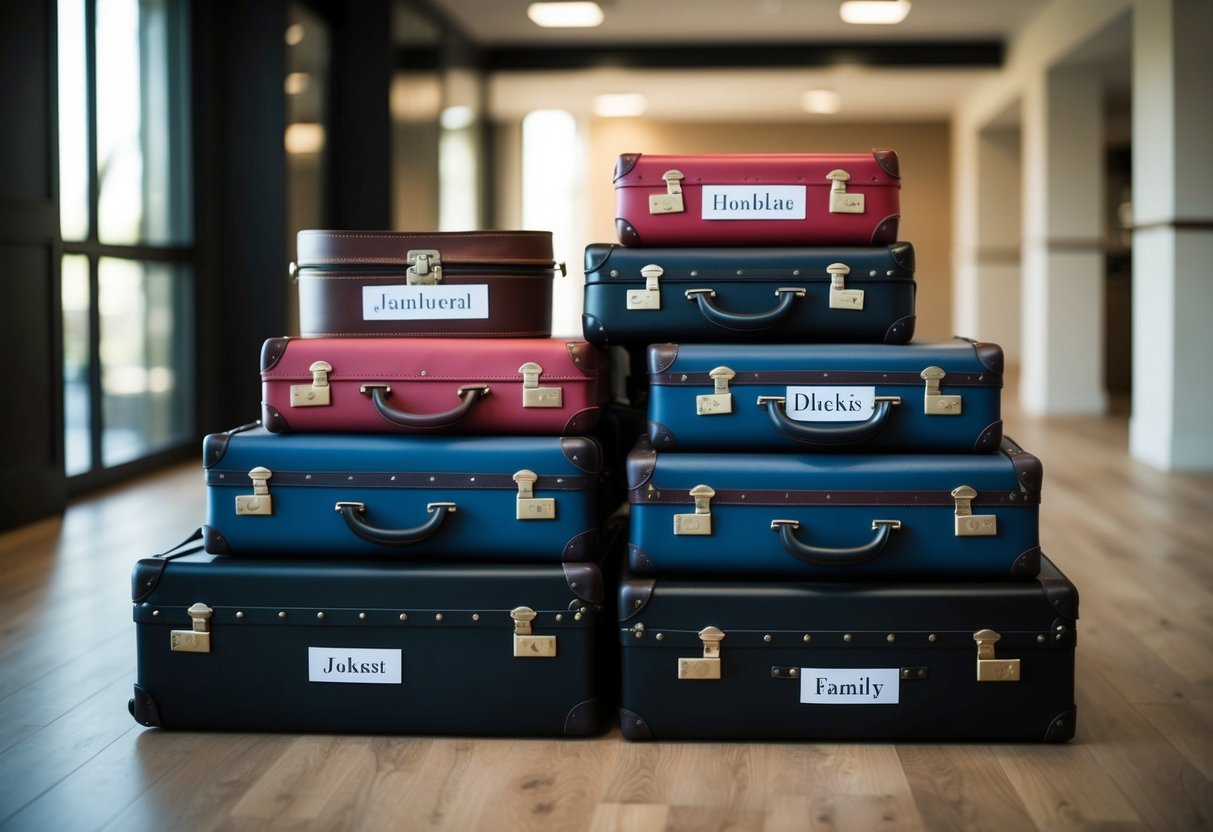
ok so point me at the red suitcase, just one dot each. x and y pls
(758, 199)
(455, 283)
(527, 386)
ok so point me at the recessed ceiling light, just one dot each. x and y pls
(620, 104)
(565, 15)
(823, 102)
(884, 12)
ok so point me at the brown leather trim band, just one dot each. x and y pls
(782, 497)
(867, 377)
(409, 479)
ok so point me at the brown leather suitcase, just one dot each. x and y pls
(456, 283)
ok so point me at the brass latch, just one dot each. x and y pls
(989, 667)
(530, 507)
(259, 502)
(197, 640)
(671, 201)
(315, 394)
(650, 296)
(425, 267)
(969, 524)
(707, 667)
(526, 645)
(840, 296)
(935, 404)
(842, 202)
(720, 401)
(699, 523)
(535, 396)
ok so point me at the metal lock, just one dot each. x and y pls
(425, 267)
(671, 201)
(259, 502)
(842, 202)
(526, 644)
(317, 393)
(969, 524)
(197, 640)
(530, 507)
(719, 402)
(840, 296)
(707, 667)
(535, 396)
(699, 523)
(650, 296)
(990, 668)
(935, 404)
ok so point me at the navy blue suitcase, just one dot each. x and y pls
(802, 294)
(515, 498)
(829, 661)
(931, 396)
(368, 646)
(854, 516)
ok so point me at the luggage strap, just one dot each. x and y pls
(833, 497)
(858, 377)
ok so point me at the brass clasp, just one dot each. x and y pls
(969, 524)
(526, 644)
(707, 666)
(989, 667)
(650, 296)
(535, 396)
(699, 523)
(198, 639)
(530, 507)
(317, 393)
(840, 296)
(721, 400)
(671, 201)
(842, 202)
(259, 502)
(425, 267)
(935, 404)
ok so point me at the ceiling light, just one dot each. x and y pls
(823, 102)
(620, 104)
(565, 15)
(874, 11)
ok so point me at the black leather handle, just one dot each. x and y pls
(468, 397)
(746, 321)
(352, 513)
(844, 556)
(828, 433)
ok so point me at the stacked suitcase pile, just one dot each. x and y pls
(830, 537)
(409, 539)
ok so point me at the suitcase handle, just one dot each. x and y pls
(468, 398)
(828, 433)
(844, 556)
(746, 321)
(352, 514)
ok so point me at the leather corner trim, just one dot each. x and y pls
(584, 719)
(901, 331)
(634, 595)
(1060, 593)
(585, 581)
(641, 461)
(594, 330)
(581, 422)
(1063, 726)
(660, 435)
(639, 562)
(624, 164)
(145, 577)
(661, 357)
(596, 256)
(143, 708)
(583, 453)
(273, 420)
(886, 230)
(888, 161)
(1027, 565)
(214, 542)
(1028, 468)
(632, 726)
(990, 438)
(990, 356)
(902, 253)
(626, 232)
(272, 351)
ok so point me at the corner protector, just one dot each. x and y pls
(901, 331)
(214, 542)
(661, 357)
(632, 726)
(584, 719)
(272, 351)
(626, 232)
(639, 561)
(888, 161)
(634, 596)
(885, 231)
(273, 420)
(143, 708)
(583, 453)
(1027, 565)
(1063, 727)
(583, 577)
(990, 438)
(902, 253)
(624, 164)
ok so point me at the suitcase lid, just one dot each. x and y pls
(609, 262)
(877, 169)
(482, 249)
(964, 363)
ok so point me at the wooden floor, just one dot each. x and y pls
(1138, 544)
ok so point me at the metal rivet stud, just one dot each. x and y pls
(890, 638)
(475, 616)
(932, 638)
(404, 616)
(767, 638)
(439, 617)
(155, 613)
(282, 614)
(1041, 639)
(577, 616)
(319, 616)
(560, 616)
(362, 616)
(660, 636)
(239, 616)
(848, 637)
(808, 639)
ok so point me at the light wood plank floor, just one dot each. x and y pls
(1138, 544)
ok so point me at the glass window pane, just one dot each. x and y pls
(77, 415)
(142, 122)
(146, 373)
(73, 122)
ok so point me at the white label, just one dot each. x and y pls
(353, 665)
(849, 686)
(424, 302)
(753, 202)
(830, 404)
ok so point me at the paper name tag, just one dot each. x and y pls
(849, 686)
(353, 665)
(830, 404)
(753, 202)
(424, 302)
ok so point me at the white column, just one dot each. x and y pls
(999, 216)
(1063, 254)
(1172, 417)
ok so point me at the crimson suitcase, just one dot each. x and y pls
(854, 516)
(469, 386)
(635, 296)
(452, 283)
(750, 199)
(828, 661)
(408, 498)
(368, 647)
(926, 396)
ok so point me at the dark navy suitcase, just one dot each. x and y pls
(369, 647)
(457, 498)
(853, 516)
(921, 397)
(778, 294)
(827, 661)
